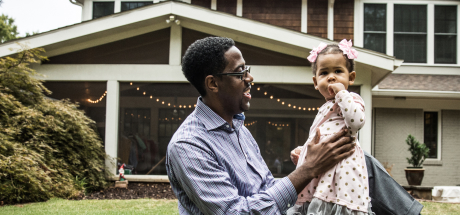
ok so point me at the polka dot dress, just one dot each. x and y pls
(346, 183)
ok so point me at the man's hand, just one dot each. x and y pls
(335, 88)
(321, 156)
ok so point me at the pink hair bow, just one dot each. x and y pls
(346, 47)
(314, 53)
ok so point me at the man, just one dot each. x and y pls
(213, 162)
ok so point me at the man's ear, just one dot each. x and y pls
(315, 83)
(210, 84)
(352, 77)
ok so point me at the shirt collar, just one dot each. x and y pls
(211, 119)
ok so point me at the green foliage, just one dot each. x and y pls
(418, 150)
(44, 144)
(8, 30)
(81, 183)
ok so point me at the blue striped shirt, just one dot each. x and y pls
(216, 169)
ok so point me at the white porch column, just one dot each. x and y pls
(365, 134)
(304, 16)
(430, 34)
(239, 7)
(111, 125)
(390, 28)
(156, 1)
(330, 20)
(117, 7)
(175, 45)
(213, 4)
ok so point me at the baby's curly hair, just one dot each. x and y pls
(205, 57)
(333, 49)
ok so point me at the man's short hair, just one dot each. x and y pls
(205, 57)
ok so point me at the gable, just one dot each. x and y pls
(149, 48)
(252, 55)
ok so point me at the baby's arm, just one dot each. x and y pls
(352, 107)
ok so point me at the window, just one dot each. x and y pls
(375, 26)
(445, 34)
(132, 5)
(410, 33)
(101, 9)
(430, 133)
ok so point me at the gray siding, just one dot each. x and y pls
(391, 129)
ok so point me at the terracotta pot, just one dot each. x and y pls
(414, 175)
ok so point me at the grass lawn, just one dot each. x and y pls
(150, 206)
(440, 208)
(61, 206)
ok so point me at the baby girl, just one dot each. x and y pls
(344, 188)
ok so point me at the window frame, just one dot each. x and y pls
(95, 2)
(359, 28)
(439, 133)
(377, 32)
(412, 33)
(445, 34)
(137, 1)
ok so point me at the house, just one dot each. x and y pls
(122, 64)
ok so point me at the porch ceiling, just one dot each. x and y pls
(152, 18)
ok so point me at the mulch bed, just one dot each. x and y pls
(134, 191)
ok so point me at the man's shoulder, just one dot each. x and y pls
(192, 130)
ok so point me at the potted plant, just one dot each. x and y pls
(419, 152)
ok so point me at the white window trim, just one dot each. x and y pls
(439, 158)
(359, 26)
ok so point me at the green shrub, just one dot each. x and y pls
(419, 151)
(44, 144)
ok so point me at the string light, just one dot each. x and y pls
(144, 93)
(250, 124)
(138, 88)
(289, 105)
(151, 97)
(98, 100)
(278, 124)
(130, 83)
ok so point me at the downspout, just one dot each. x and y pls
(75, 2)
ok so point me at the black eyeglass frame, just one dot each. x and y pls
(242, 74)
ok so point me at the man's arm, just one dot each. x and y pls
(321, 156)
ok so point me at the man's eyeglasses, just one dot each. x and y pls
(243, 74)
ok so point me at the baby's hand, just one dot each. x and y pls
(335, 88)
